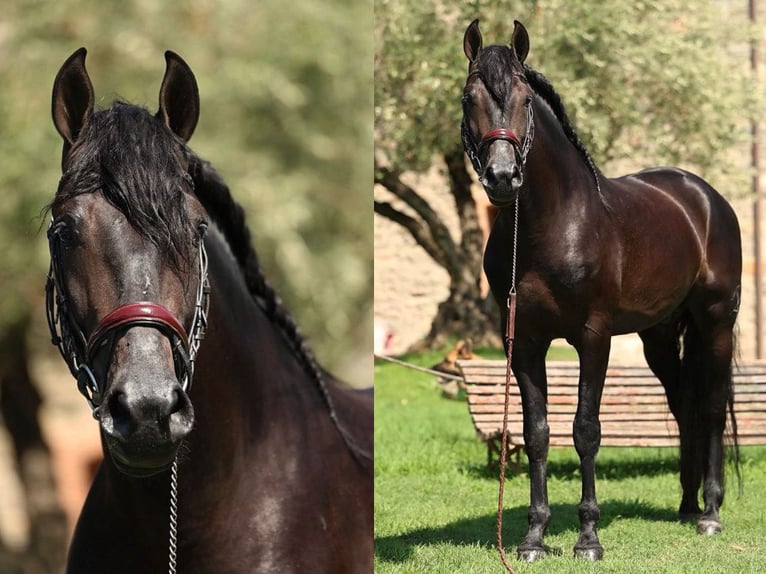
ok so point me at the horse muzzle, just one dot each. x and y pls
(502, 181)
(143, 433)
(502, 176)
(145, 412)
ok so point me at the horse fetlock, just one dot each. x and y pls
(538, 518)
(589, 514)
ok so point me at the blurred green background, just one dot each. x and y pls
(286, 92)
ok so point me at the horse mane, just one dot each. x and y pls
(216, 197)
(542, 86)
(496, 68)
(124, 148)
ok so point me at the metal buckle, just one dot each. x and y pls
(88, 387)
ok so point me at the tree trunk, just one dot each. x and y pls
(20, 404)
(465, 314)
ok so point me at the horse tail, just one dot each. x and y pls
(694, 370)
(734, 455)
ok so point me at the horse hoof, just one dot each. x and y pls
(590, 554)
(688, 516)
(530, 556)
(708, 527)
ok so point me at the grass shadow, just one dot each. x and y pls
(606, 467)
(481, 530)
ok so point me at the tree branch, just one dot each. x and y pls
(417, 229)
(391, 180)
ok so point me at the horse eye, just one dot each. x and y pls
(66, 232)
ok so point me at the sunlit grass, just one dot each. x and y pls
(435, 498)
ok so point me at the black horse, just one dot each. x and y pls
(656, 252)
(270, 469)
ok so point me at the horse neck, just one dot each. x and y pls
(247, 374)
(558, 178)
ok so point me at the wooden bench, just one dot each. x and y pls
(634, 409)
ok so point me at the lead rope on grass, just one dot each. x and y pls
(509, 335)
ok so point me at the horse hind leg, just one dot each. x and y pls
(710, 403)
(662, 350)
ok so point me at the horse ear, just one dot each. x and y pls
(472, 41)
(179, 97)
(72, 101)
(520, 41)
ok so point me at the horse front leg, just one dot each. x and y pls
(594, 357)
(529, 370)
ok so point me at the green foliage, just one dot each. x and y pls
(286, 101)
(647, 82)
(436, 499)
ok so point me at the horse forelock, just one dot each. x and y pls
(495, 67)
(128, 156)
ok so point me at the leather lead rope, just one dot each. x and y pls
(510, 328)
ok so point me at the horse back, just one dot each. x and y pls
(676, 206)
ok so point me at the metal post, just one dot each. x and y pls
(755, 160)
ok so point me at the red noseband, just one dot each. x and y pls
(500, 134)
(141, 314)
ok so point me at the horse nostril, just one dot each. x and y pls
(499, 176)
(516, 177)
(181, 415)
(165, 414)
(493, 176)
(178, 402)
(119, 413)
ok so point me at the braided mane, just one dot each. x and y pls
(545, 90)
(216, 197)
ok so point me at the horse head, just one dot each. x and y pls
(127, 291)
(498, 125)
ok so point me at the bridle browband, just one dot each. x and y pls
(79, 352)
(475, 151)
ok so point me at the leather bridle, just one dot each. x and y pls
(80, 352)
(475, 151)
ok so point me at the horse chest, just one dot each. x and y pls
(545, 282)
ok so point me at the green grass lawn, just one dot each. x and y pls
(435, 498)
